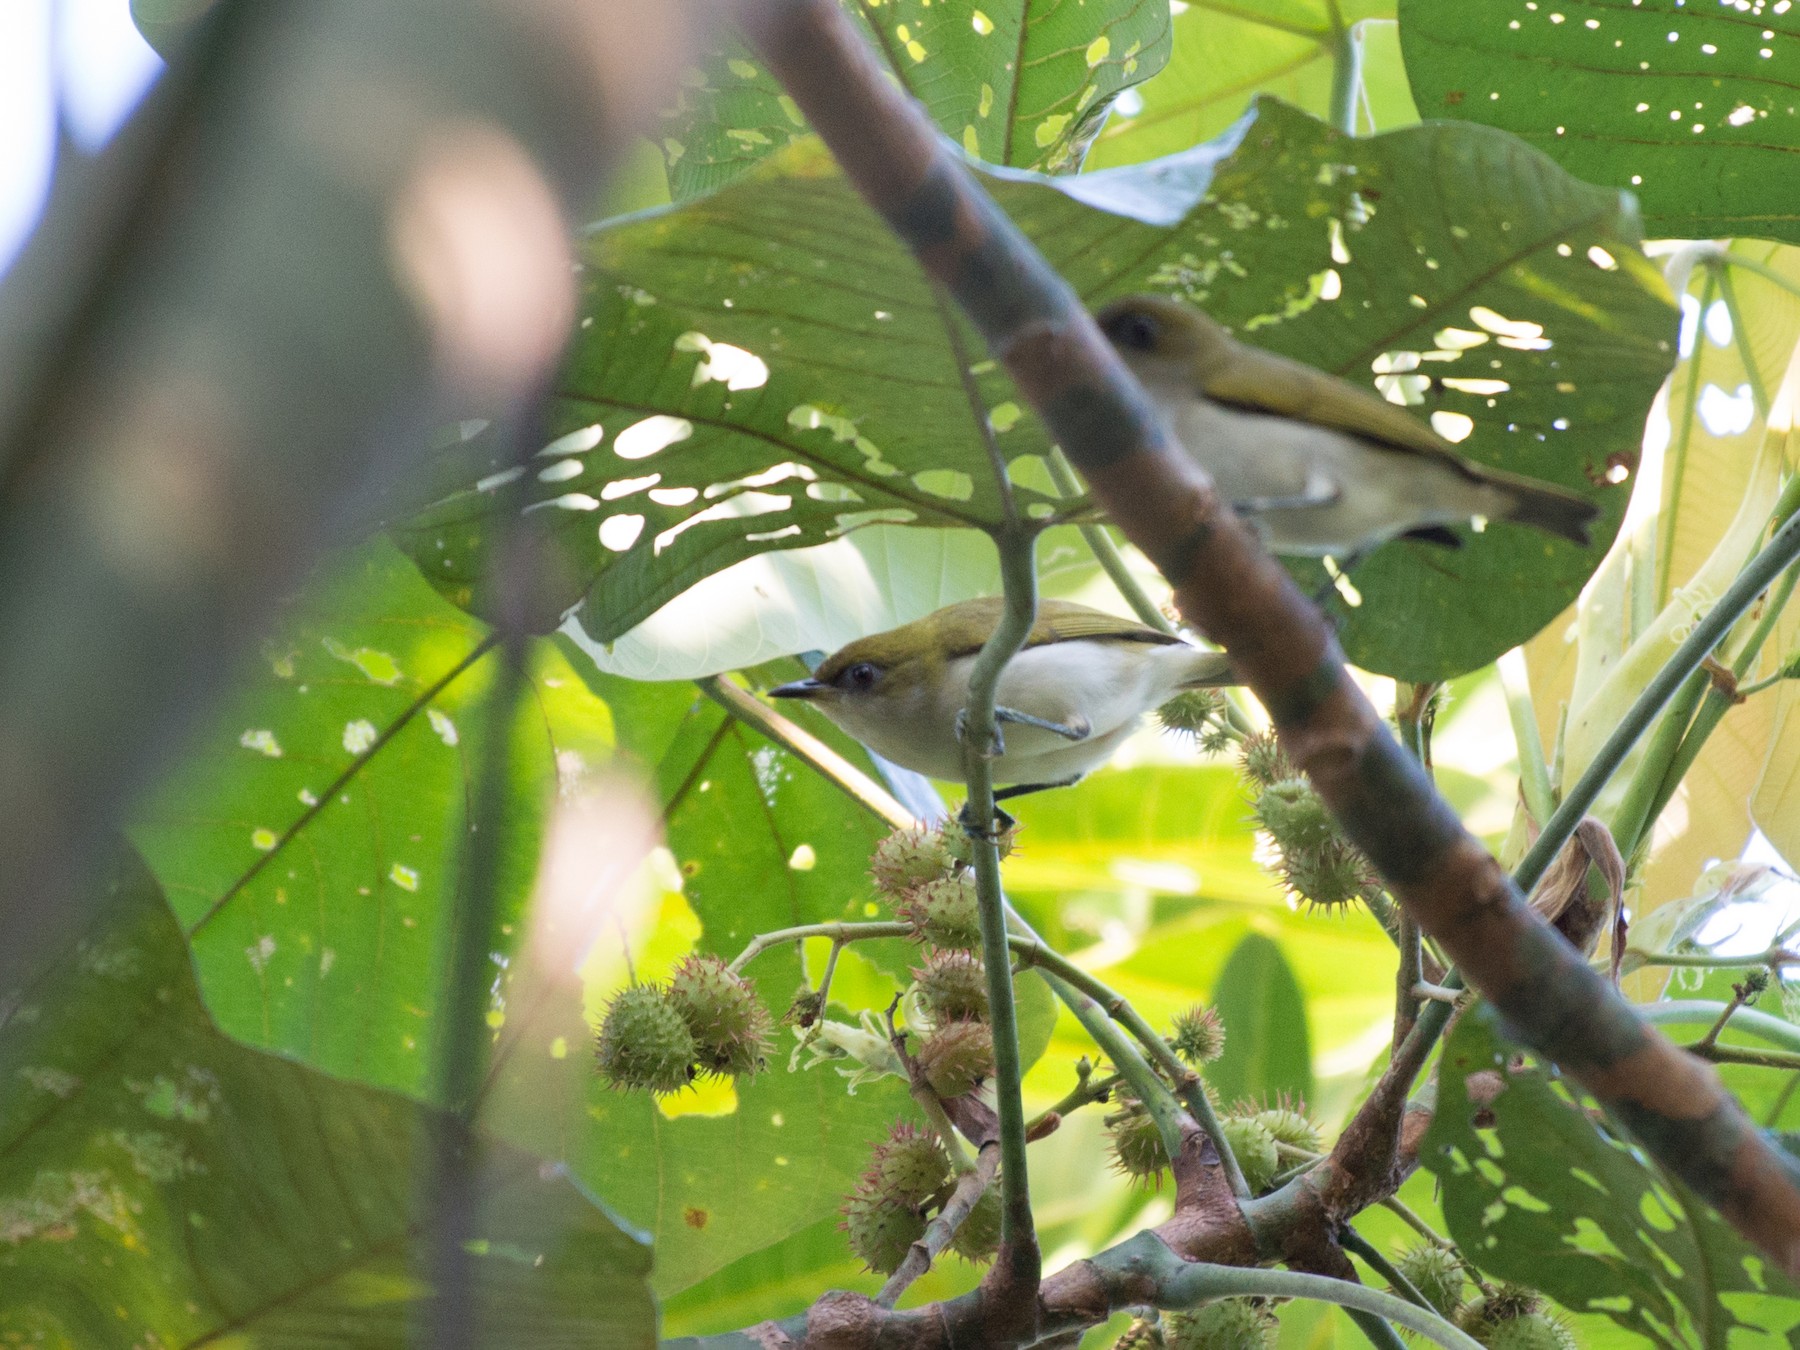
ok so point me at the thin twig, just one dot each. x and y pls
(941, 1231)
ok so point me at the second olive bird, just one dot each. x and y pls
(1072, 694)
(1325, 466)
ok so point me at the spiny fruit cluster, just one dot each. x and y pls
(1199, 713)
(1222, 1324)
(707, 1019)
(907, 1180)
(1513, 1317)
(1316, 862)
(923, 872)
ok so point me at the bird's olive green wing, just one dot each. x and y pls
(1250, 378)
(1064, 621)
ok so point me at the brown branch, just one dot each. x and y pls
(941, 1231)
(1240, 598)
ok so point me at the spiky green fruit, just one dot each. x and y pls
(881, 1229)
(945, 913)
(644, 1042)
(1136, 1144)
(978, 1236)
(1199, 1035)
(1294, 815)
(957, 1057)
(910, 1165)
(1332, 874)
(1435, 1272)
(952, 986)
(1288, 1123)
(910, 857)
(730, 1026)
(1533, 1331)
(1224, 1324)
(1254, 1147)
(1264, 761)
(1191, 712)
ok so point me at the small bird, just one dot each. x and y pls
(1066, 700)
(1325, 466)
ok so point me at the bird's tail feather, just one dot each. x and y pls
(1209, 670)
(1553, 510)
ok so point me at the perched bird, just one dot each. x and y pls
(1076, 689)
(1326, 467)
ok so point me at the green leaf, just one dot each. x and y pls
(161, 1184)
(1548, 1197)
(1019, 82)
(309, 845)
(1266, 1051)
(1225, 51)
(1688, 106)
(164, 23)
(1470, 258)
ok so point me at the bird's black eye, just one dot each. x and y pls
(1133, 331)
(860, 676)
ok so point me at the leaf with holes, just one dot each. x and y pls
(1547, 1197)
(162, 1184)
(1020, 82)
(767, 368)
(309, 846)
(1692, 107)
(1224, 51)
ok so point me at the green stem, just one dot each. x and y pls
(1769, 1028)
(1534, 771)
(1639, 806)
(1417, 1224)
(1762, 270)
(1759, 393)
(1018, 573)
(1353, 1241)
(1732, 1054)
(839, 933)
(1346, 76)
(1112, 1006)
(1773, 959)
(1762, 570)
(1198, 1280)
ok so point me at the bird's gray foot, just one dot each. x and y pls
(1319, 491)
(1024, 789)
(1077, 728)
(1003, 821)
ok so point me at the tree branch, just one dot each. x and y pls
(1229, 587)
(941, 1231)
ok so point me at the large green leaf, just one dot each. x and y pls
(161, 1184)
(1021, 82)
(1689, 106)
(1458, 262)
(1548, 1197)
(1259, 1001)
(1225, 51)
(309, 845)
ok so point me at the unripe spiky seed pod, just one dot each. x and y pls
(953, 987)
(1191, 712)
(1199, 1035)
(910, 857)
(730, 1026)
(978, 1237)
(1533, 1331)
(1294, 815)
(644, 1043)
(881, 1229)
(1506, 1302)
(1289, 1125)
(1137, 1145)
(957, 1057)
(945, 913)
(1335, 873)
(1254, 1147)
(1224, 1324)
(910, 1165)
(1264, 762)
(1435, 1272)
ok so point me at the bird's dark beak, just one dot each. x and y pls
(798, 689)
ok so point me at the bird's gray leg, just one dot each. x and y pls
(1024, 789)
(1320, 490)
(1003, 820)
(1077, 728)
